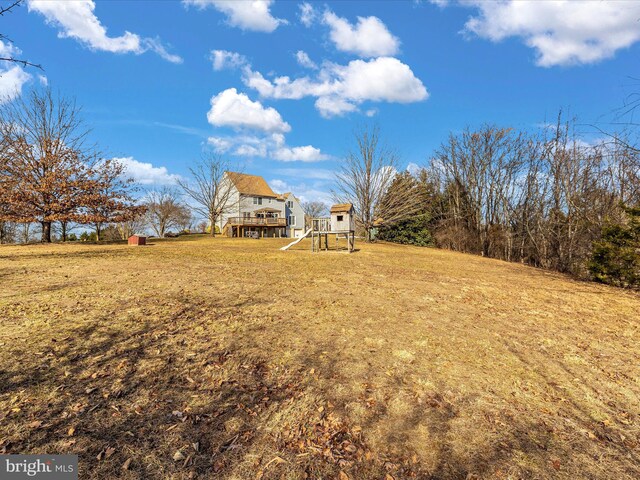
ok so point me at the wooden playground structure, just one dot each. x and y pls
(340, 225)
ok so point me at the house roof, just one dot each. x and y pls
(251, 184)
(341, 207)
(284, 196)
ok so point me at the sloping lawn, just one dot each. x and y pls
(227, 358)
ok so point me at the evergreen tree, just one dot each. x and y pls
(616, 257)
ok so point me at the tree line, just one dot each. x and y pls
(53, 179)
(49, 172)
(544, 198)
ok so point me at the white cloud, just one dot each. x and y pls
(244, 14)
(340, 89)
(232, 109)
(307, 153)
(76, 19)
(307, 14)
(304, 60)
(222, 59)
(155, 45)
(11, 83)
(251, 151)
(369, 38)
(44, 81)
(12, 77)
(271, 146)
(145, 173)
(8, 49)
(561, 32)
(305, 192)
(372, 112)
(219, 144)
(334, 106)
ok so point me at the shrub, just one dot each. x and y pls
(414, 231)
(616, 257)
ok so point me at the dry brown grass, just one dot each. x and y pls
(256, 363)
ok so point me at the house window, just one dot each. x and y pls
(292, 220)
(257, 200)
(289, 204)
(246, 214)
(340, 217)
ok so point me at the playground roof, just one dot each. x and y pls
(341, 207)
(251, 184)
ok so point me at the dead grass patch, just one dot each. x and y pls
(219, 358)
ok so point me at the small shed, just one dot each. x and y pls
(343, 218)
(137, 240)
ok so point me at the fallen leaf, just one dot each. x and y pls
(71, 431)
(343, 476)
(278, 461)
(126, 464)
(110, 451)
(178, 456)
(35, 424)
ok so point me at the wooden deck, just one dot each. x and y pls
(257, 222)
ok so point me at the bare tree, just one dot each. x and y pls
(3, 11)
(314, 209)
(132, 226)
(112, 201)
(165, 211)
(540, 198)
(210, 189)
(364, 180)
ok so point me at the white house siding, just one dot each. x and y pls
(241, 204)
(297, 230)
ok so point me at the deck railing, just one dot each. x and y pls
(263, 222)
(321, 224)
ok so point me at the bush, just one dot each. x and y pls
(414, 231)
(616, 257)
(88, 237)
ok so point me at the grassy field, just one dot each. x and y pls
(220, 358)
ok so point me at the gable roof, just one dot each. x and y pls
(341, 207)
(251, 184)
(284, 196)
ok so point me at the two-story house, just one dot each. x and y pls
(252, 206)
(294, 215)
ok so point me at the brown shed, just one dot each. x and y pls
(137, 240)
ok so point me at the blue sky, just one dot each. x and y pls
(278, 87)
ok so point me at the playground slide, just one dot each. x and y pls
(297, 240)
